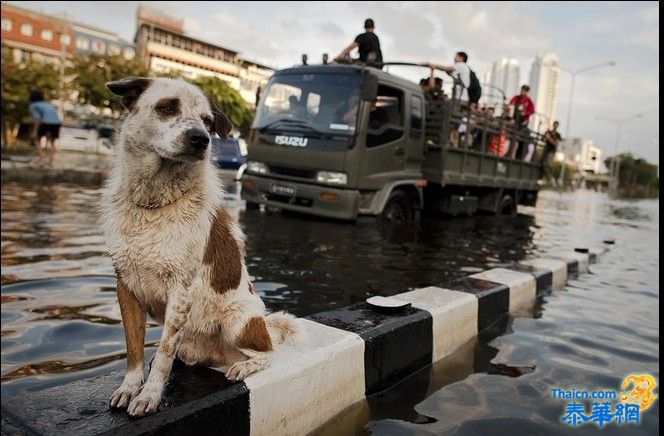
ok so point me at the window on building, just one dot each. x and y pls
(98, 46)
(7, 25)
(65, 39)
(47, 35)
(82, 43)
(129, 53)
(114, 49)
(26, 29)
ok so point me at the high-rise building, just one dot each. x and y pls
(544, 90)
(502, 80)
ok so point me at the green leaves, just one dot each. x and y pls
(228, 100)
(18, 79)
(89, 73)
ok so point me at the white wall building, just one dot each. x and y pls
(164, 47)
(504, 75)
(544, 90)
(581, 153)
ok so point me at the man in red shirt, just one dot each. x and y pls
(524, 106)
(523, 109)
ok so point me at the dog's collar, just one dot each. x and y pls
(159, 205)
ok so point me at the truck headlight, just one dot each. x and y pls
(331, 178)
(257, 167)
(243, 146)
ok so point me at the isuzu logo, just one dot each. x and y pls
(294, 141)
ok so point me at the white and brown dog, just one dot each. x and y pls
(178, 255)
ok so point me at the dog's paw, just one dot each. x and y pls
(124, 394)
(238, 371)
(146, 403)
(241, 370)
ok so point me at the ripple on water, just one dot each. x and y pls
(60, 319)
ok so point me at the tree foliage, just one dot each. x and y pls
(18, 79)
(89, 74)
(85, 82)
(636, 177)
(229, 101)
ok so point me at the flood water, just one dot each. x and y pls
(60, 319)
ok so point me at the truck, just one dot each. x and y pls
(343, 140)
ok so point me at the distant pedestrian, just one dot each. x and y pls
(367, 44)
(46, 123)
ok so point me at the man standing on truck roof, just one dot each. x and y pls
(460, 71)
(367, 44)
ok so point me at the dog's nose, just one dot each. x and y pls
(197, 139)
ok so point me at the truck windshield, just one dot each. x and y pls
(316, 102)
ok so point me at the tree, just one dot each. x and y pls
(636, 177)
(18, 79)
(229, 101)
(89, 74)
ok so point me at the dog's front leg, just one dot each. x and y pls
(133, 319)
(177, 312)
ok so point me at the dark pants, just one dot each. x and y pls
(548, 150)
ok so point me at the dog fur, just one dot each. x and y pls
(178, 255)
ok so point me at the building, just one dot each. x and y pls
(582, 154)
(544, 90)
(88, 39)
(164, 47)
(33, 35)
(503, 82)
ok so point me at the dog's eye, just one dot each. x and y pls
(167, 107)
(207, 120)
(166, 110)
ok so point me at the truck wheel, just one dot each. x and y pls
(251, 205)
(506, 206)
(399, 208)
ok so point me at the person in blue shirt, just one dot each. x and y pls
(46, 122)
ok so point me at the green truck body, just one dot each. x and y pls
(340, 141)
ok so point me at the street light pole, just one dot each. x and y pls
(614, 169)
(573, 73)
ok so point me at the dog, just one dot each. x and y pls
(178, 255)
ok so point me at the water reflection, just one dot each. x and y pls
(60, 318)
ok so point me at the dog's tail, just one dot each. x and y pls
(282, 327)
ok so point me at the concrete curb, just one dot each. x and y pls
(345, 355)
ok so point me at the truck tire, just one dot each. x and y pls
(507, 206)
(398, 208)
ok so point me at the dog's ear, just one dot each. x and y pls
(129, 88)
(222, 125)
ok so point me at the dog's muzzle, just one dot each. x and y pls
(197, 140)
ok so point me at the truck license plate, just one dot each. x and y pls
(283, 190)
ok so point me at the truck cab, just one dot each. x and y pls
(335, 140)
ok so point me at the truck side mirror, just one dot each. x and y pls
(369, 87)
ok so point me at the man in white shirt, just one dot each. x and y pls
(459, 71)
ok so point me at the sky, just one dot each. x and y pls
(580, 33)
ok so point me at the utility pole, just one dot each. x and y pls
(569, 108)
(64, 37)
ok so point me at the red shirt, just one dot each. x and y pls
(527, 103)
